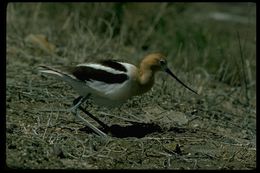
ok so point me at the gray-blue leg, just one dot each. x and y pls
(77, 102)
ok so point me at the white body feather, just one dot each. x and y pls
(104, 94)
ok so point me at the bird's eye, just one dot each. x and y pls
(163, 62)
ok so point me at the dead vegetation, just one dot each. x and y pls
(167, 128)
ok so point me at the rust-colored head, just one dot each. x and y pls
(154, 62)
(157, 62)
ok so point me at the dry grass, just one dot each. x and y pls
(216, 130)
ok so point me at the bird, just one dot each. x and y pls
(110, 82)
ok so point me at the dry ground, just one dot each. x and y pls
(210, 46)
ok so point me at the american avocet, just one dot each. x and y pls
(110, 82)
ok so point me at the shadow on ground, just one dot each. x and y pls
(136, 129)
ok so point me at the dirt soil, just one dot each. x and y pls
(166, 128)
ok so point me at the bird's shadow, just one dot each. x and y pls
(136, 129)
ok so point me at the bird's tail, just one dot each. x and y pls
(63, 75)
(50, 70)
(79, 86)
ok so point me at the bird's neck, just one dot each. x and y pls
(146, 79)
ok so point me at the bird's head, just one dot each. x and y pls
(157, 62)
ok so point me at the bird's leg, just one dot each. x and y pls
(94, 118)
(92, 126)
(77, 104)
(78, 101)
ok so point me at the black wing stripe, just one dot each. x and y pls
(84, 73)
(113, 64)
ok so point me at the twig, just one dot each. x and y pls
(125, 119)
(48, 123)
(243, 69)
